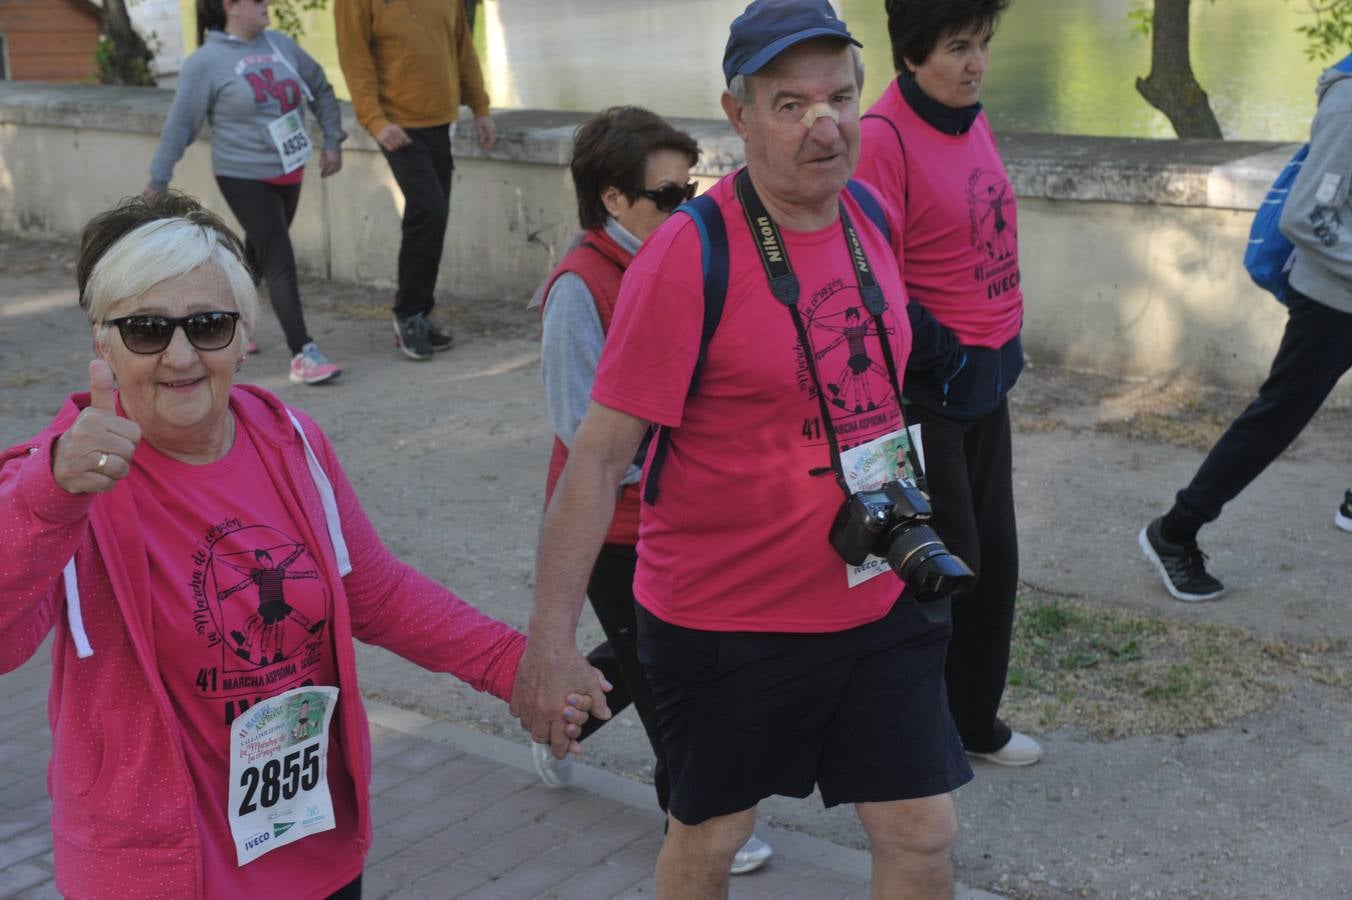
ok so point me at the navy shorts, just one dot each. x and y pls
(861, 714)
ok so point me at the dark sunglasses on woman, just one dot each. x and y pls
(151, 334)
(670, 196)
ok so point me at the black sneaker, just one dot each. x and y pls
(440, 340)
(1182, 566)
(411, 336)
(1343, 517)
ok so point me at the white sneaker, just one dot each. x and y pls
(554, 773)
(751, 857)
(1021, 750)
(1343, 517)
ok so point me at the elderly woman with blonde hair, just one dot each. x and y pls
(206, 566)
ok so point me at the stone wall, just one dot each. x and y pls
(1130, 249)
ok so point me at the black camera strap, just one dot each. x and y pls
(784, 286)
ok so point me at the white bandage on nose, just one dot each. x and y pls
(820, 111)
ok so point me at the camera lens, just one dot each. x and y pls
(924, 563)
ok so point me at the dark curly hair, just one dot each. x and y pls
(611, 150)
(915, 27)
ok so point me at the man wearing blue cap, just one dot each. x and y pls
(775, 666)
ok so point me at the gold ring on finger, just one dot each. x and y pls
(102, 465)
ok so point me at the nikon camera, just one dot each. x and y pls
(890, 522)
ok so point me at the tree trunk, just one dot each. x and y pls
(1172, 88)
(123, 57)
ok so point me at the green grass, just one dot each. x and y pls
(1116, 673)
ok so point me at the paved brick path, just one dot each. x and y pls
(25, 811)
(457, 814)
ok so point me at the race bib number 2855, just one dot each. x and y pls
(279, 787)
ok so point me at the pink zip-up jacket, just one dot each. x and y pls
(124, 819)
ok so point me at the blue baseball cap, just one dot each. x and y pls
(767, 28)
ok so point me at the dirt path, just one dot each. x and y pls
(449, 456)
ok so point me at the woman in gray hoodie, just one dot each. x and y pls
(249, 83)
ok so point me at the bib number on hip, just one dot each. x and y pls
(292, 141)
(279, 787)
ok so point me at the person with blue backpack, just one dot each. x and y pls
(779, 658)
(1314, 279)
(630, 170)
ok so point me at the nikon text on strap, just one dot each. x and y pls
(784, 285)
(708, 219)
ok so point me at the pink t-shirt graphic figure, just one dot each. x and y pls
(852, 389)
(264, 635)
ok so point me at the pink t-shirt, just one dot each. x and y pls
(962, 225)
(240, 614)
(737, 541)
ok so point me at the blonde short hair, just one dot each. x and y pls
(129, 249)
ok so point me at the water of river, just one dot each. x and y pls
(1057, 65)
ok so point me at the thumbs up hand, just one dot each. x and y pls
(95, 453)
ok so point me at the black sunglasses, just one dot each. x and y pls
(151, 334)
(670, 196)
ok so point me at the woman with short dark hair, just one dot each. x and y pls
(928, 147)
(630, 171)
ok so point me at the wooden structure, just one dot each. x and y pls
(49, 40)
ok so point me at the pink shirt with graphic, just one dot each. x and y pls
(240, 614)
(961, 220)
(738, 538)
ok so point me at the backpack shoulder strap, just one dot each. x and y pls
(281, 57)
(713, 238)
(890, 124)
(900, 144)
(868, 202)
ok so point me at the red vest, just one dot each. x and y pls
(600, 263)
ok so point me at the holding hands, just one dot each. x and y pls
(548, 675)
(95, 453)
